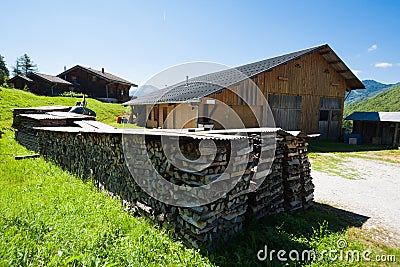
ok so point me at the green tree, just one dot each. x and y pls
(24, 65)
(3, 70)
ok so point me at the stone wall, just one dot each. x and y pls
(100, 156)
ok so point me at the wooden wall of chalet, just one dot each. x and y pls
(40, 87)
(309, 82)
(96, 87)
(20, 83)
(310, 77)
(181, 117)
(382, 133)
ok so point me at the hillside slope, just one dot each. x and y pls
(372, 88)
(14, 98)
(386, 101)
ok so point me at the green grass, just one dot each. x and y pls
(331, 156)
(49, 217)
(334, 163)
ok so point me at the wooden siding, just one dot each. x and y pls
(97, 87)
(308, 78)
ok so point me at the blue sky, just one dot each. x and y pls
(138, 39)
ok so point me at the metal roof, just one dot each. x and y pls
(208, 84)
(103, 75)
(375, 116)
(56, 115)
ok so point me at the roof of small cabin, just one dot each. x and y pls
(21, 77)
(103, 75)
(208, 84)
(375, 116)
(48, 78)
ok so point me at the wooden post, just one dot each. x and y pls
(396, 131)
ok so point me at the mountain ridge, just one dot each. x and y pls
(372, 88)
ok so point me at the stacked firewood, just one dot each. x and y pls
(305, 173)
(200, 224)
(298, 187)
(248, 180)
(267, 198)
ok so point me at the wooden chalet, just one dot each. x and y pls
(98, 83)
(41, 84)
(305, 91)
(382, 128)
(20, 82)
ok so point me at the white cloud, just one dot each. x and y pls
(372, 48)
(383, 65)
(356, 72)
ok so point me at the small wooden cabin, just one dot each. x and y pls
(305, 91)
(98, 84)
(41, 84)
(381, 128)
(20, 82)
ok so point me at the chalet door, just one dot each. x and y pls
(286, 110)
(164, 115)
(329, 118)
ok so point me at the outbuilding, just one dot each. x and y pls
(305, 91)
(377, 127)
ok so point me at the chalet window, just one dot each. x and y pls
(94, 78)
(73, 79)
(323, 115)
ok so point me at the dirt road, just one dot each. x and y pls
(376, 194)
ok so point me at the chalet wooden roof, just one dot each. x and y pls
(102, 75)
(48, 78)
(208, 84)
(21, 77)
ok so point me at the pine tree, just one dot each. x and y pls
(3, 70)
(24, 65)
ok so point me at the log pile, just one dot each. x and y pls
(284, 176)
(25, 119)
(268, 197)
(298, 188)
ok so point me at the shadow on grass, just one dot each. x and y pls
(326, 146)
(286, 231)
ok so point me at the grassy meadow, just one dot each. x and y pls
(49, 217)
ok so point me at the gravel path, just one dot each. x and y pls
(375, 195)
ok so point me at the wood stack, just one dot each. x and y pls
(25, 119)
(283, 177)
(267, 198)
(305, 174)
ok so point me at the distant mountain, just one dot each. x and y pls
(371, 88)
(389, 100)
(143, 90)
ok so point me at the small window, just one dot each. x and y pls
(323, 115)
(94, 78)
(336, 114)
(73, 78)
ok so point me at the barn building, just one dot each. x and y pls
(41, 84)
(381, 128)
(98, 83)
(305, 91)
